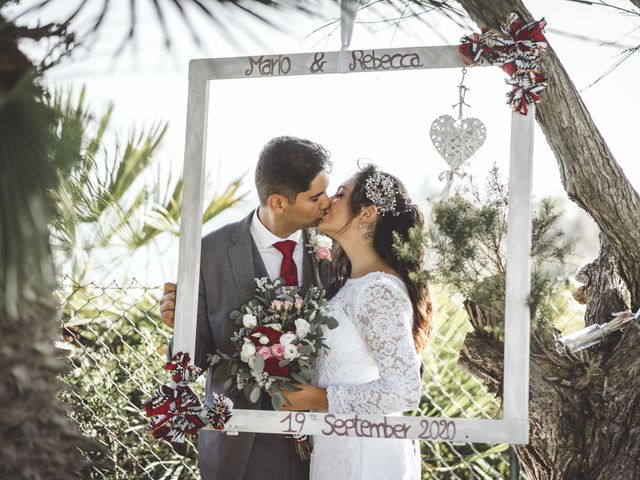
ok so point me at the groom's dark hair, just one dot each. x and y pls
(288, 165)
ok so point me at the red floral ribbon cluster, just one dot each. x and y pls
(517, 52)
(175, 410)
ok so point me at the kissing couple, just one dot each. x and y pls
(373, 363)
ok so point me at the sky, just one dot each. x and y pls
(384, 118)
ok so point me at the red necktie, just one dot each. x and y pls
(288, 269)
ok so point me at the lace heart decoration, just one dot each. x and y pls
(456, 140)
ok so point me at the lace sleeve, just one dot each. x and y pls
(384, 316)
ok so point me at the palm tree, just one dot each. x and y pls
(38, 441)
(110, 201)
(48, 179)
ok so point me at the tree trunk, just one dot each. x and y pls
(38, 440)
(584, 411)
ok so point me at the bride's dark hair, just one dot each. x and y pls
(381, 236)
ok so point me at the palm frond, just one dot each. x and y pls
(100, 195)
(26, 172)
(227, 199)
(104, 198)
(165, 215)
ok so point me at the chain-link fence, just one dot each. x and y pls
(117, 347)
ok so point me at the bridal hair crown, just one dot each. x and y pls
(381, 191)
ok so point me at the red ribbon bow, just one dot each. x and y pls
(517, 52)
(175, 410)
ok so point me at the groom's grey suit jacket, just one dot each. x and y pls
(229, 264)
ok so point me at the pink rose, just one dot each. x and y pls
(276, 305)
(324, 253)
(287, 305)
(278, 351)
(299, 303)
(265, 352)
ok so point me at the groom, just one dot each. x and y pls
(291, 180)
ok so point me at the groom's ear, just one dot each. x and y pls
(277, 203)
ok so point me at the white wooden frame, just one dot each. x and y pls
(514, 426)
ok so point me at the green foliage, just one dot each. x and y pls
(108, 197)
(117, 352)
(27, 170)
(104, 198)
(442, 373)
(412, 250)
(447, 391)
(469, 238)
(99, 197)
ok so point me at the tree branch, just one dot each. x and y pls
(605, 291)
(589, 173)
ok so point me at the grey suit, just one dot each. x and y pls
(229, 263)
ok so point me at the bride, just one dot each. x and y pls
(373, 365)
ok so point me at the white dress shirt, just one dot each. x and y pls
(271, 256)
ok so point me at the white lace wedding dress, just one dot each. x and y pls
(371, 368)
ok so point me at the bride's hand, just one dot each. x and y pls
(309, 397)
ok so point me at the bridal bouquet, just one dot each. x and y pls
(280, 335)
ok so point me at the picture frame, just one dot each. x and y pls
(513, 427)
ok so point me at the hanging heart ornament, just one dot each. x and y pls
(456, 140)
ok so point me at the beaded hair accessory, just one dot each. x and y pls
(380, 190)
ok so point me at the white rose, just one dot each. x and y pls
(248, 350)
(302, 327)
(290, 352)
(322, 241)
(264, 340)
(249, 320)
(287, 339)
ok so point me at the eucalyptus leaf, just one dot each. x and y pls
(254, 396)
(306, 350)
(259, 364)
(265, 301)
(277, 400)
(308, 374)
(290, 387)
(248, 388)
(275, 387)
(298, 378)
(331, 323)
